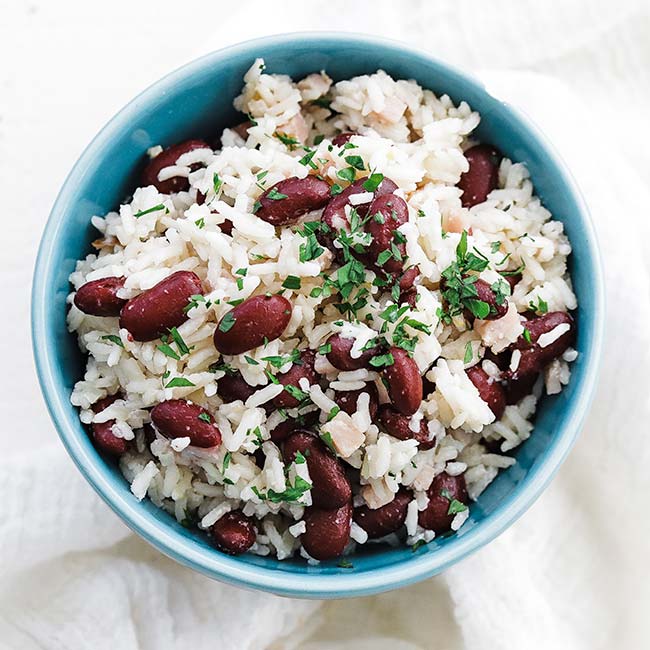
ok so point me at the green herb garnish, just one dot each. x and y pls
(113, 338)
(178, 382)
(292, 282)
(155, 208)
(227, 322)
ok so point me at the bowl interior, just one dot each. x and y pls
(197, 101)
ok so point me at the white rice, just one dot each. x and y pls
(416, 139)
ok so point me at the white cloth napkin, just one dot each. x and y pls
(572, 573)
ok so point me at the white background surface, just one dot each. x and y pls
(572, 573)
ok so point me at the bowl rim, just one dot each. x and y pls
(229, 569)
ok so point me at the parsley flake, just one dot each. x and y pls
(113, 338)
(292, 282)
(155, 208)
(227, 322)
(178, 382)
(373, 182)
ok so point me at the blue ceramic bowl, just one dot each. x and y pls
(197, 101)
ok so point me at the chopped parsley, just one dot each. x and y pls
(469, 352)
(194, 301)
(227, 322)
(322, 102)
(291, 282)
(418, 545)
(222, 367)
(217, 183)
(292, 494)
(382, 360)
(167, 350)
(296, 393)
(455, 507)
(178, 339)
(541, 307)
(333, 413)
(307, 159)
(287, 140)
(345, 564)
(335, 189)
(226, 462)
(347, 174)
(326, 348)
(277, 361)
(356, 162)
(326, 437)
(373, 182)
(383, 257)
(155, 208)
(458, 290)
(205, 417)
(526, 335)
(178, 382)
(200, 223)
(113, 338)
(310, 249)
(274, 195)
(251, 361)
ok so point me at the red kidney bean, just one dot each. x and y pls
(397, 425)
(493, 445)
(339, 355)
(149, 433)
(490, 391)
(516, 389)
(533, 357)
(482, 176)
(342, 138)
(442, 492)
(156, 310)
(99, 297)
(285, 202)
(347, 399)
(404, 382)
(513, 280)
(385, 520)
(327, 532)
(167, 158)
(392, 212)
(178, 418)
(231, 388)
(486, 294)
(102, 432)
(407, 279)
(330, 485)
(408, 292)
(334, 213)
(409, 297)
(302, 368)
(501, 360)
(427, 386)
(242, 129)
(225, 226)
(251, 323)
(283, 430)
(234, 533)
